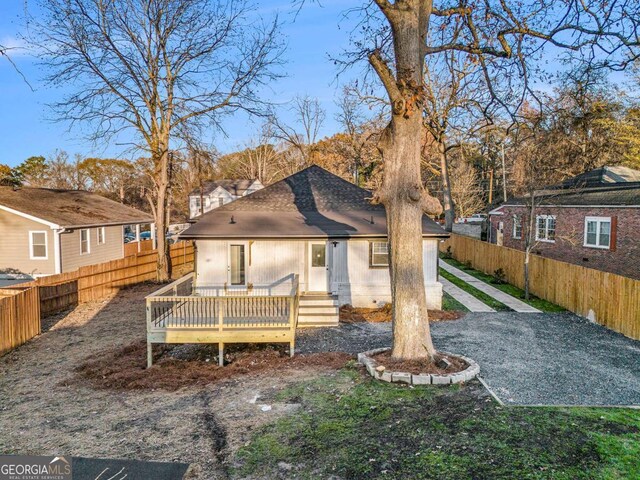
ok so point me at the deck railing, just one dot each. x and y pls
(182, 312)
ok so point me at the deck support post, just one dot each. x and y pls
(291, 348)
(221, 354)
(149, 354)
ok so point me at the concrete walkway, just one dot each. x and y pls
(510, 301)
(469, 301)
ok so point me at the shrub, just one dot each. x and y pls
(499, 277)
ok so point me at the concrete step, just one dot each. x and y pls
(313, 309)
(318, 320)
(319, 300)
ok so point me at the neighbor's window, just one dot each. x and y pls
(38, 245)
(379, 254)
(546, 228)
(100, 235)
(84, 241)
(517, 227)
(597, 232)
(220, 201)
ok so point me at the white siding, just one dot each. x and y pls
(351, 277)
(211, 262)
(274, 260)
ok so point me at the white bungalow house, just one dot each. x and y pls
(220, 192)
(317, 226)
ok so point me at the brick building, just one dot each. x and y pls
(591, 220)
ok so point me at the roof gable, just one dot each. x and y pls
(235, 186)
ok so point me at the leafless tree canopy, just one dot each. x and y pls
(158, 68)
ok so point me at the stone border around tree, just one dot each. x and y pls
(366, 359)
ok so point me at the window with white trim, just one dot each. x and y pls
(379, 254)
(220, 201)
(38, 245)
(517, 227)
(100, 236)
(85, 246)
(546, 228)
(597, 232)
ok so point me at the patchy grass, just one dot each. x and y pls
(450, 304)
(351, 426)
(507, 288)
(489, 300)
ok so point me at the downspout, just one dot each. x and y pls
(57, 247)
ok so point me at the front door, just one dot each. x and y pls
(237, 264)
(318, 268)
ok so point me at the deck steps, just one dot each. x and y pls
(318, 310)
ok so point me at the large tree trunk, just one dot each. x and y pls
(161, 161)
(449, 208)
(402, 192)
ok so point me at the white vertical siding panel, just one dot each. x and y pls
(274, 260)
(212, 262)
(430, 260)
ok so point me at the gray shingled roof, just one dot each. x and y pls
(70, 208)
(615, 195)
(603, 176)
(235, 186)
(310, 203)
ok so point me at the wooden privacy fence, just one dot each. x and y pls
(22, 306)
(609, 299)
(94, 282)
(19, 317)
(133, 248)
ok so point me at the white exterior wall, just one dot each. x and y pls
(350, 276)
(358, 284)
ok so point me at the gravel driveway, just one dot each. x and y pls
(526, 359)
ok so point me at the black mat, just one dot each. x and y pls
(102, 469)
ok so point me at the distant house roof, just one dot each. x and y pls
(235, 186)
(603, 176)
(605, 186)
(311, 203)
(70, 208)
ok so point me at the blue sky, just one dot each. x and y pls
(316, 34)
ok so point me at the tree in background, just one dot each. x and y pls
(309, 117)
(9, 177)
(466, 191)
(155, 68)
(34, 171)
(109, 177)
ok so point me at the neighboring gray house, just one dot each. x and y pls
(313, 224)
(46, 231)
(220, 192)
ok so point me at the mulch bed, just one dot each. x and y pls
(349, 314)
(419, 366)
(125, 369)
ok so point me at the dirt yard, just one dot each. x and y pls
(80, 389)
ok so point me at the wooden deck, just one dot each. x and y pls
(183, 313)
